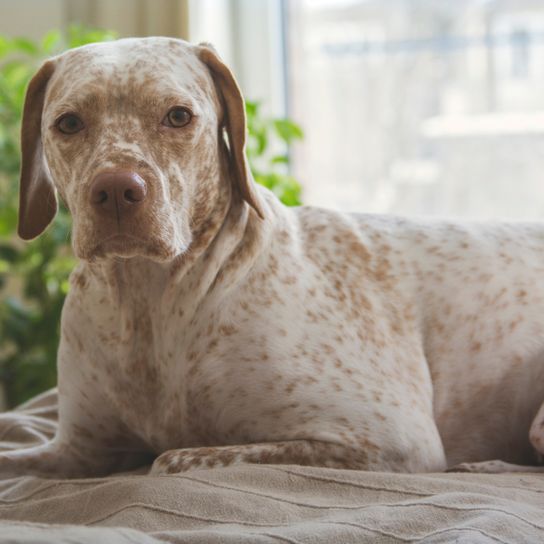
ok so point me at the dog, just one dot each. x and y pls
(207, 324)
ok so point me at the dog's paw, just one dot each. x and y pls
(171, 462)
(160, 467)
(495, 466)
(464, 467)
(183, 460)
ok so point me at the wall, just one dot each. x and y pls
(33, 18)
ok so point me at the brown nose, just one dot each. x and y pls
(117, 193)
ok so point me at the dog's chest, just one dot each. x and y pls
(142, 384)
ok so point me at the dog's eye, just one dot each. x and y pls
(177, 117)
(69, 123)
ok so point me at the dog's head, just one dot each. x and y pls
(140, 138)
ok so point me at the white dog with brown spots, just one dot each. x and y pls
(207, 324)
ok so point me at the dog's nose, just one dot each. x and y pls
(117, 193)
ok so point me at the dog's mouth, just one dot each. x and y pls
(155, 237)
(120, 243)
(127, 246)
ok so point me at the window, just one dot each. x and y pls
(419, 107)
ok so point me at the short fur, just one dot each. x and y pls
(215, 325)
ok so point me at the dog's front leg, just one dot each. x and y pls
(53, 459)
(89, 441)
(83, 449)
(298, 452)
(72, 457)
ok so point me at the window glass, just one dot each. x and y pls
(419, 106)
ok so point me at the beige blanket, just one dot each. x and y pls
(273, 504)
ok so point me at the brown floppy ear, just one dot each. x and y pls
(37, 199)
(235, 122)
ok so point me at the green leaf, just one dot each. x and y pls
(5, 46)
(262, 141)
(51, 42)
(252, 108)
(8, 221)
(78, 35)
(280, 159)
(15, 74)
(288, 130)
(25, 45)
(8, 253)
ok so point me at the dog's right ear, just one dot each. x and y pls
(37, 198)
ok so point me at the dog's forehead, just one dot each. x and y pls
(152, 63)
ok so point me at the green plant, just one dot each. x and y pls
(34, 276)
(270, 168)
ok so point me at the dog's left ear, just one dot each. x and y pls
(235, 122)
(37, 198)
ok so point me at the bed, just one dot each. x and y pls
(260, 503)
